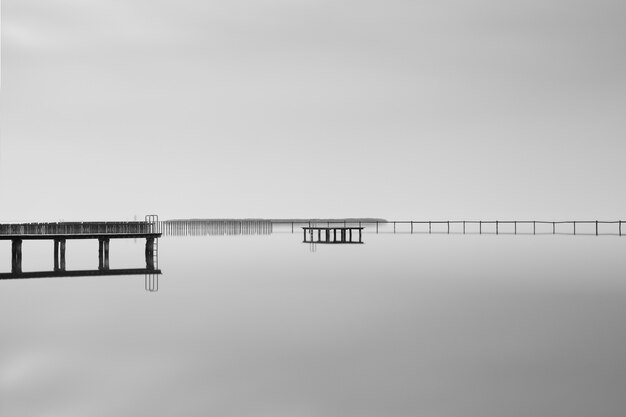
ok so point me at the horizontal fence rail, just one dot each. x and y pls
(77, 228)
(497, 227)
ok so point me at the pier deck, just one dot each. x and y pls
(61, 232)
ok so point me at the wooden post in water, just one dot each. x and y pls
(574, 227)
(16, 256)
(411, 227)
(100, 254)
(56, 254)
(62, 253)
(534, 227)
(150, 253)
(620, 227)
(429, 227)
(596, 228)
(553, 228)
(106, 254)
(463, 226)
(497, 231)
(448, 226)
(515, 223)
(394, 227)
(360, 237)
(376, 227)
(480, 227)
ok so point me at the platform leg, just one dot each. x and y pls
(150, 253)
(106, 254)
(56, 254)
(16, 258)
(62, 255)
(100, 254)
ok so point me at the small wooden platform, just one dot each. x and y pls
(333, 235)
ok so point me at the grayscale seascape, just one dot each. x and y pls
(312, 208)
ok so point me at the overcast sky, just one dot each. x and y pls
(305, 108)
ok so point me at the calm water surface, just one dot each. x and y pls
(404, 325)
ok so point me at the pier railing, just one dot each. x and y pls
(76, 228)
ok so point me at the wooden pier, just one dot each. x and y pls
(59, 233)
(332, 234)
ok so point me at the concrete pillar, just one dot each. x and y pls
(16, 256)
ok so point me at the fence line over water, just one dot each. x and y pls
(215, 227)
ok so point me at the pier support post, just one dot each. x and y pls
(100, 254)
(411, 227)
(596, 228)
(534, 227)
(497, 228)
(150, 253)
(480, 227)
(360, 239)
(430, 227)
(106, 254)
(56, 254)
(553, 228)
(16, 256)
(574, 228)
(62, 255)
(448, 227)
(620, 227)
(103, 254)
(463, 226)
(515, 223)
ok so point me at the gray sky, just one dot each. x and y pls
(397, 109)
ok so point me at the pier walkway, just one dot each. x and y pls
(61, 232)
